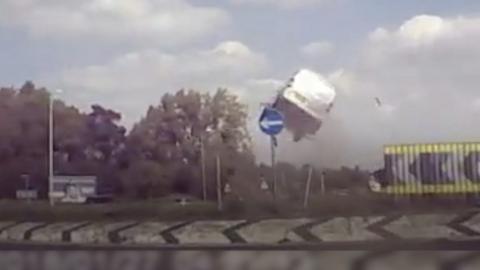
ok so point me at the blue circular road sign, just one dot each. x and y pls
(271, 122)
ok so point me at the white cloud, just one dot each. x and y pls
(144, 21)
(415, 83)
(133, 81)
(284, 4)
(425, 73)
(422, 30)
(317, 49)
(428, 54)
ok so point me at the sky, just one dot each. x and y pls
(419, 58)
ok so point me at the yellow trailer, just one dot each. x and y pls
(435, 168)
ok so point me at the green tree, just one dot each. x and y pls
(173, 132)
(90, 143)
(23, 137)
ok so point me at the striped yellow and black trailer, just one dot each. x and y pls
(438, 168)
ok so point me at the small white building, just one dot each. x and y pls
(73, 189)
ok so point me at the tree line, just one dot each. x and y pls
(160, 155)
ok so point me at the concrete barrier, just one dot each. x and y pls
(269, 231)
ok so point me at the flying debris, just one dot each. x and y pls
(330, 108)
(378, 102)
(297, 121)
(305, 101)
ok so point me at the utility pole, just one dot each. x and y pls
(202, 160)
(307, 187)
(219, 185)
(274, 167)
(50, 150)
(322, 182)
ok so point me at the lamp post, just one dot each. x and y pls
(51, 100)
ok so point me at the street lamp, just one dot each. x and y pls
(51, 99)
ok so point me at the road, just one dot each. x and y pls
(288, 257)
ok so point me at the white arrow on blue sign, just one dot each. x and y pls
(271, 121)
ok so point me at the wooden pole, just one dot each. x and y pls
(219, 185)
(204, 178)
(50, 150)
(307, 187)
(274, 167)
(322, 183)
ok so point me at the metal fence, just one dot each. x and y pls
(440, 168)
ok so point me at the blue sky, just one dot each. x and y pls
(277, 32)
(110, 51)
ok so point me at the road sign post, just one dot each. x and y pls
(307, 187)
(274, 167)
(271, 123)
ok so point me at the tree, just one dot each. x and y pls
(88, 144)
(146, 179)
(105, 137)
(173, 132)
(23, 137)
(83, 143)
(161, 155)
(346, 178)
